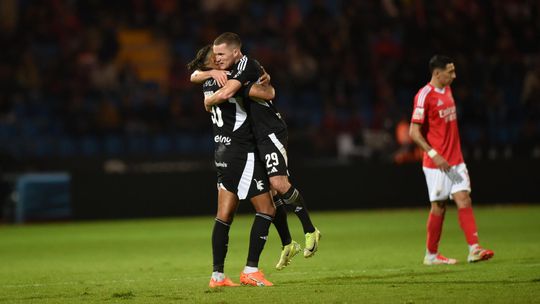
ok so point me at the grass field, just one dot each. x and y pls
(364, 257)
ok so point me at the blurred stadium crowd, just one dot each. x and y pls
(108, 78)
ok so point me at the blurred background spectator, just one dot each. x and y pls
(108, 78)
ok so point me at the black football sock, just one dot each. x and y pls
(220, 243)
(295, 202)
(257, 238)
(280, 222)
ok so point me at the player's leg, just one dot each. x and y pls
(280, 220)
(467, 223)
(439, 191)
(274, 156)
(275, 162)
(227, 205)
(289, 248)
(461, 188)
(265, 211)
(294, 200)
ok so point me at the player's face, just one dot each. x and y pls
(225, 55)
(211, 61)
(447, 75)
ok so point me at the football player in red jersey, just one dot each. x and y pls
(434, 129)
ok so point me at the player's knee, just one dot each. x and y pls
(280, 184)
(267, 209)
(438, 208)
(462, 199)
(464, 203)
(225, 215)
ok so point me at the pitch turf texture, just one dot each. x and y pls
(364, 257)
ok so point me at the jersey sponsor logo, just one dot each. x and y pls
(439, 103)
(448, 114)
(209, 83)
(264, 237)
(223, 139)
(259, 184)
(221, 164)
(274, 170)
(418, 113)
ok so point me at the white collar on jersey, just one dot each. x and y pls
(439, 90)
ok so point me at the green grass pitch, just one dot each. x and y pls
(364, 257)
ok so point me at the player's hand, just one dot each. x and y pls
(220, 76)
(441, 163)
(264, 79)
(207, 108)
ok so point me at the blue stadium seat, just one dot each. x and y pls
(162, 144)
(183, 143)
(67, 147)
(137, 144)
(90, 146)
(43, 147)
(113, 145)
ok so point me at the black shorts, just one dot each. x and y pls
(273, 153)
(242, 173)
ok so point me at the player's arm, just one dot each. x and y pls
(415, 131)
(199, 76)
(243, 73)
(221, 95)
(262, 91)
(228, 90)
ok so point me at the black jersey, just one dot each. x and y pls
(231, 126)
(264, 117)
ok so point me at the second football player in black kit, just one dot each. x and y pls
(241, 175)
(271, 135)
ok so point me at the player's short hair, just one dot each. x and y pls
(439, 62)
(199, 62)
(229, 39)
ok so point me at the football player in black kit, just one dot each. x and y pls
(270, 132)
(240, 174)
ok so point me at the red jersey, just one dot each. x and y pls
(435, 110)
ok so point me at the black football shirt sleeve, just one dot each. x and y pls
(246, 70)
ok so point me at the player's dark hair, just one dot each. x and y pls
(199, 63)
(229, 39)
(439, 62)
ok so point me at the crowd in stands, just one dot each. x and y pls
(345, 73)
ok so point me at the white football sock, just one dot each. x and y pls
(218, 276)
(249, 269)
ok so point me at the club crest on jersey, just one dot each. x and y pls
(222, 139)
(259, 184)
